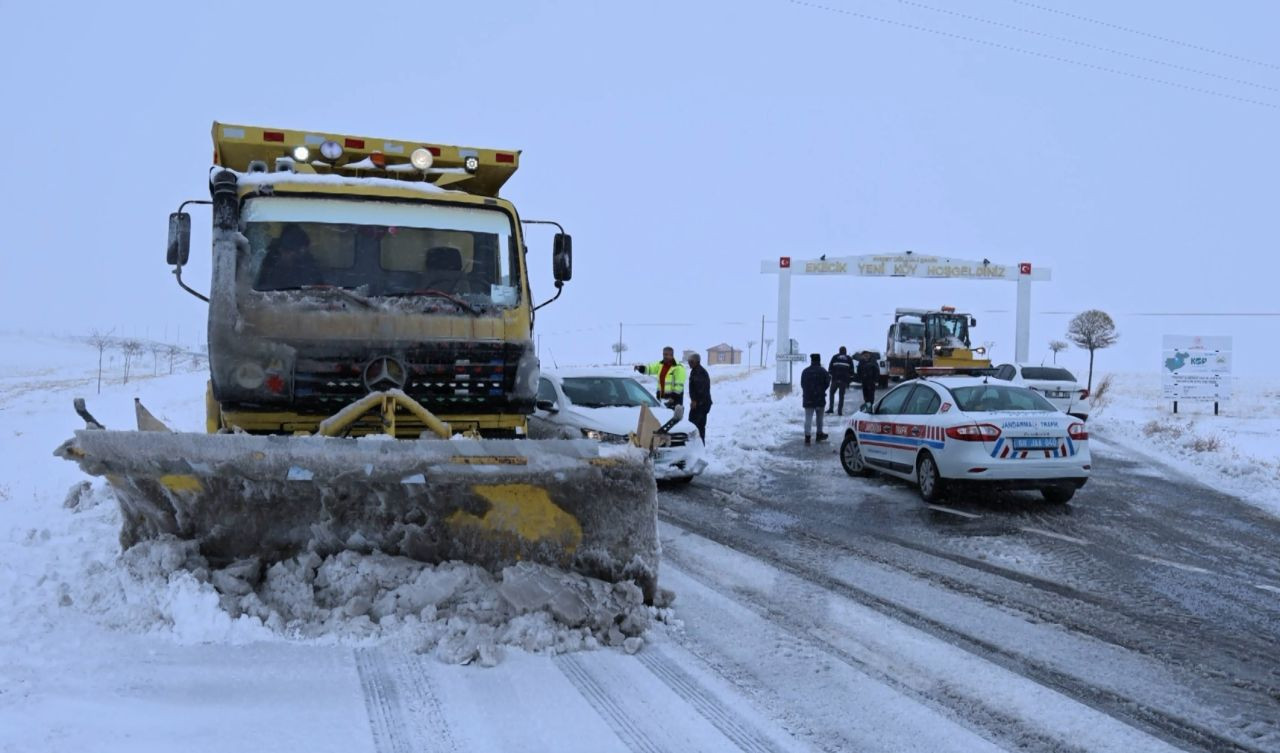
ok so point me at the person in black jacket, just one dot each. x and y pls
(699, 386)
(841, 371)
(869, 375)
(813, 388)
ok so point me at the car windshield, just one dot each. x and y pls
(989, 398)
(381, 249)
(605, 392)
(1047, 373)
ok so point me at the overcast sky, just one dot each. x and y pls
(682, 143)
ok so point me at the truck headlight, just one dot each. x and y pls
(249, 375)
(604, 436)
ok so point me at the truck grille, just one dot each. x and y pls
(452, 378)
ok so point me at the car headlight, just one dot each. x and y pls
(604, 436)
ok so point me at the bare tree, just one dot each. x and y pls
(156, 349)
(619, 348)
(990, 345)
(750, 344)
(1057, 346)
(131, 350)
(1092, 330)
(101, 341)
(173, 351)
(764, 352)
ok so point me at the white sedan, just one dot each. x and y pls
(605, 406)
(1054, 383)
(938, 431)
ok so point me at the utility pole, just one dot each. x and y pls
(761, 342)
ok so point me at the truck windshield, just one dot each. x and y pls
(910, 331)
(381, 249)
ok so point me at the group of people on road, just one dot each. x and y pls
(672, 379)
(819, 387)
(823, 387)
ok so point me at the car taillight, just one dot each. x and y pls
(1084, 394)
(974, 432)
(1077, 431)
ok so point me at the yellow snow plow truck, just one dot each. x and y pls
(367, 289)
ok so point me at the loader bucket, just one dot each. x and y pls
(564, 503)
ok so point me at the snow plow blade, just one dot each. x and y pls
(564, 503)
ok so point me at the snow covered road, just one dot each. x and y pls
(814, 612)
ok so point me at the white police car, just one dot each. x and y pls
(945, 429)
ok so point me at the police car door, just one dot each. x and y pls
(884, 444)
(920, 415)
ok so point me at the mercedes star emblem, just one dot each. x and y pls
(385, 373)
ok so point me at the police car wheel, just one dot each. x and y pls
(1057, 495)
(932, 487)
(851, 458)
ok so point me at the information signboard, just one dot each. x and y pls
(1196, 368)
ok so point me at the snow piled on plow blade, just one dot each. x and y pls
(492, 503)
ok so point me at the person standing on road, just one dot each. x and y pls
(813, 392)
(671, 376)
(841, 371)
(869, 375)
(699, 395)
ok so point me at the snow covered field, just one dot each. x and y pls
(150, 650)
(1237, 451)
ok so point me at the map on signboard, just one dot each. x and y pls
(1178, 361)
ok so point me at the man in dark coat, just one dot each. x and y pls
(699, 386)
(814, 381)
(869, 375)
(841, 371)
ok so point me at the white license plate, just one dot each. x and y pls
(1035, 443)
(1057, 393)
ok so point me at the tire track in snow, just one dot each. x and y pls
(381, 702)
(405, 714)
(734, 727)
(607, 705)
(1146, 623)
(1171, 728)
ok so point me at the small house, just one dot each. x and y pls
(723, 354)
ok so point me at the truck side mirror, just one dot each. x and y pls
(546, 405)
(179, 239)
(973, 322)
(562, 257)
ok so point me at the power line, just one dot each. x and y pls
(1033, 53)
(1148, 35)
(1086, 45)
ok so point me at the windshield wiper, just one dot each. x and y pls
(435, 294)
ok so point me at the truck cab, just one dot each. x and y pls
(344, 265)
